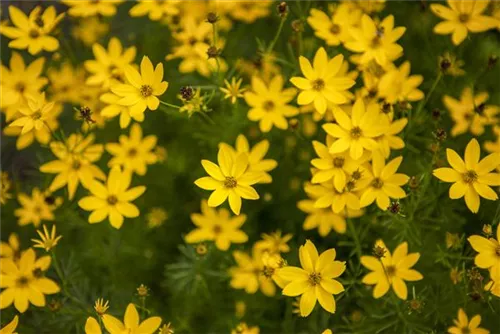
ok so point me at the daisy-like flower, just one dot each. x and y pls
(462, 17)
(462, 324)
(355, 133)
(384, 182)
(133, 153)
(471, 179)
(269, 103)
(229, 180)
(389, 140)
(376, 42)
(113, 109)
(155, 10)
(243, 328)
(335, 29)
(5, 185)
(397, 85)
(34, 209)
(142, 89)
(24, 282)
(101, 306)
(89, 30)
(321, 82)
(489, 252)
(32, 32)
(315, 281)
(75, 163)
(218, 226)
(86, 8)
(131, 323)
(34, 116)
(391, 270)
(47, 240)
(156, 217)
(10, 327)
(112, 199)
(273, 243)
(327, 196)
(256, 154)
(11, 249)
(232, 90)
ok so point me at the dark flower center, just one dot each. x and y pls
(318, 84)
(76, 165)
(463, 17)
(34, 33)
(314, 278)
(146, 90)
(377, 183)
(132, 152)
(390, 270)
(268, 105)
(338, 162)
(470, 176)
(112, 200)
(20, 87)
(217, 229)
(335, 29)
(356, 132)
(230, 182)
(22, 281)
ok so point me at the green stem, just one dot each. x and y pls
(278, 33)
(434, 85)
(206, 117)
(170, 105)
(355, 237)
(64, 282)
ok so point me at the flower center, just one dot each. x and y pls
(230, 182)
(377, 183)
(132, 152)
(36, 115)
(335, 29)
(318, 84)
(217, 229)
(34, 33)
(375, 42)
(390, 270)
(76, 165)
(497, 251)
(22, 281)
(356, 175)
(465, 330)
(470, 176)
(20, 87)
(268, 271)
(338, 162)
(268, 105)
(37, 272)
(356, 132)
(146, 90)
(112, 200)
(314, 278)
(463, 17)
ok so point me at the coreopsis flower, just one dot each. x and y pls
(470, 113)
(229, 180)
(86, 8)
(263, 66)
(356, 132)
(75, 163)
(166, 329)
(274, 243)
(243, 328)
(326, 195)
(391, 270)
(133, 153)
(101, 306)
(108, 67)
(322, 82)
(112, 200)
(11, 249)
(142, 88)
(89, 30)
(47, 240)
(376, 41)
(471, 179)
(218, 226)
(34, 209)
(10, 327)
(462, 17)
(5, 186)
(269, 104)
(66, 83)
(493, 285)
(113, 109)
(156, 217)
(335, 29)
(233, 90)
(155, 10)
(384, 182)
(493, 146)
(315, 281)
(92, 326)
(256, 154)
(34, 115)
(24, 282)
(462, 324)
(32, 32)
(131, 323)
(449, 64)
(397, 85)
(249, 11)
(489, 252)
(389, 140)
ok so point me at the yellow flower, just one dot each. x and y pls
(66, 83)
(33, 32)
(455, 275)
(101, 306)
(334, 30)
(326, 195)
(391, 270)
(489, 252)
(461, 17)
(322, 81)
(48, 241)
(398, 86)
(230, 179)
(327, 331)
(133, 153)
(156, 10)
(218, 226)
(113, 199)
(89, 30)
(166, 329)
(34, 209)
(462, 324)
(86, 8)
(131, 323)
(269, 103)
(232, 90)
(256, 154)
(470, 113)
(249, 11)
(273, 243)
(315, 280)
(75, 163)
(11, 250)
(493, 285)
(453, 66)
(471, 178)
(355, 133)
(113, 109)
(92, 326)
(376, 41)
(142, 89)
(35, 115)
(243, 328)
(5, 188)
(156, 217)
(25, 283)
(10, 327)
(384, 182)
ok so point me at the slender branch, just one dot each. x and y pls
(170, 105)
(278, 33)
(355, 237)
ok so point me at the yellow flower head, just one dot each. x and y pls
(86, 8)
(397, 85)
(5, 188)
(243, 328)
(315, 280)
(489, 252)
(232, 90)
(322, 82)
(34, 115)
(155, 10)
(112, 199)
(218, 226)
(335, 29)
(156, 217)
(89, 30)
(11, 249)
(462, 324)
(48, 241)
(471, 178)
(34, 209)
(326, 195)
(131, 323)
(274, 243)
(461, 17)
(230, 179)
(101, 306)
(391, 270)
